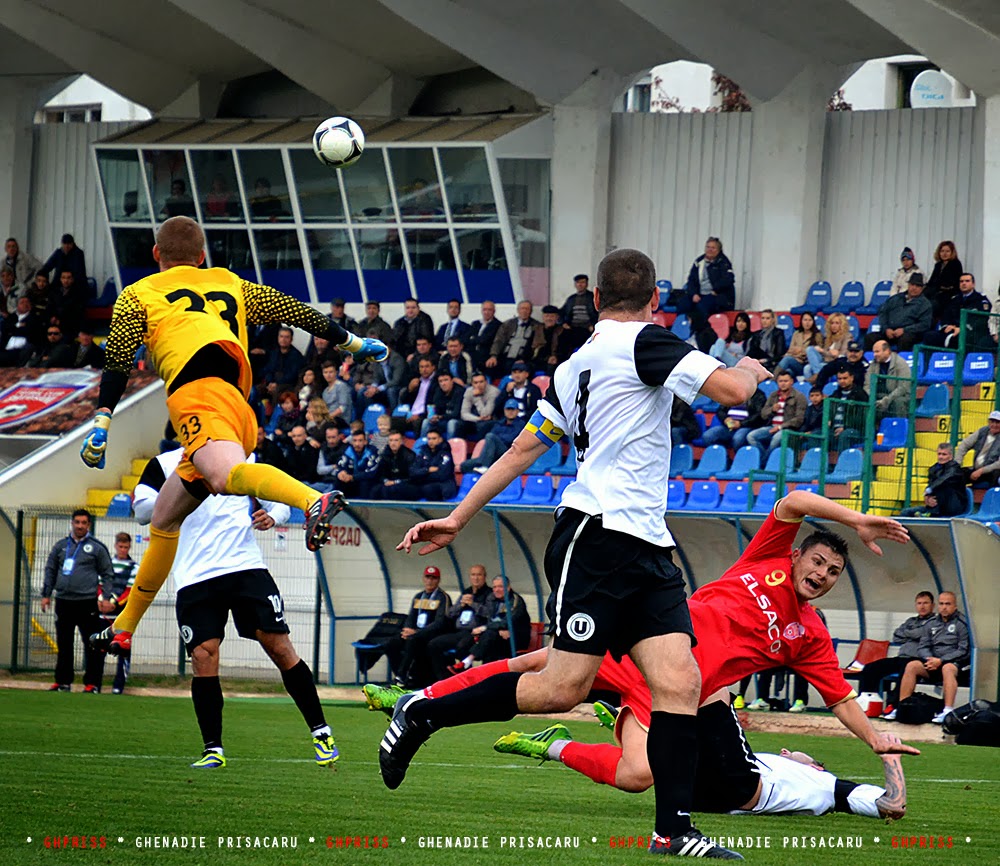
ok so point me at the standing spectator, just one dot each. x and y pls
(943, 283)
(907, 269)
(834, 346)
(985, 444)
(454, 327)
(497, 442)
(320, 350)
(268, 452)
(24, 265)
(517, 339)
(300, 455)
(806, 336)
(67, 257)
(20, 335)
(392, 475)
(77, 566)
(373, 325)
(88, 353)
(519, 388)
(66, 304)
(339, 317)
(735, 346)
(427, 607)
(10, 291)
(710, 288)
(412, 324)
(54, 352)
(423, 350)
(484, 332)
(420, 394)
(433, 472)
(945, 495)
(854, 361)
(494, 637)
(977, 335)
(446, 406)
(337, 394)
(848, 418)
(579, 315)
(378, 382)
(283, 365)
(357, 467)
(39, 292)
(124, 568)
(813, 420)
(558, 342)
(308, 387)
(262, 340)
(768, 344)
(456, 362)
(904, 318)
(331, 453)
(477, 407)
(892, 389)
(785, 409)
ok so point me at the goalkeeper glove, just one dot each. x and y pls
(95, 443)
(365, 348)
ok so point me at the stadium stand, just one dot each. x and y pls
(818, 298)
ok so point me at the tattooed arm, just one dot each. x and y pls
(892, 804)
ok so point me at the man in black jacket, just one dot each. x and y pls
(854, 361)
(945, 495)
(54, 352)
(392, 476)
(412, 324)
(302, 457)
(432, 476)
(445, 413)
(847, 415)
(710, 288)
(483, 334)
(977, 335)
(494, 637)
(427, 608)
(768, 344)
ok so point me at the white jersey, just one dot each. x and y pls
(217, 537)
(789, 787)
(614, 397)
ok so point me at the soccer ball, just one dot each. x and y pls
(338, 142)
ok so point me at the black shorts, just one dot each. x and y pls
(727, 776)
(251, 596)
(610, 590)
(936, 677)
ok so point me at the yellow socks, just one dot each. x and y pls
(269, 482)
(153, 572)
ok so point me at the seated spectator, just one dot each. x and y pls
(319, 351)
(907, 269)
(179, 202)
(392, 475)
(301, 455)
(220, 203)
(557, 346)
(493, 641)
(427, 607)
(281, 372)
(66, 304)
(735, 346)
(265, 206)
(904, 318)
(477, 408)
(453, 328)
(985, 444)
(519, 388)
(834, 346)
(328, 462)
(945, 495)
(54, 352)
(446, 407)
(812, 422)
(286, 415)
(38, 292)
(484, 332)
(378, 382)
(942, 655)
(737, 422)
(67, 257)
(338, 316)
(412, 324)
(420, 395)
(433, 472)
(806, 336)
(269, 452)
(517, 339)
(456, 637)
(847, 416)
(88, 353)
(261, 340)
(768, 344)
(20, 335)
(578, 314)
(357, 467)
(785, 409)
(337, 394)
(379, 440)
(855, 362)
(24, 265)
(498, 440)
(892, 389)
(373, 325)
(977, 335)
(456, 362)
(943, 283)
(308, 387)
(10, 291)
(684, 426)
(318, 418)
(710, 288)
(424, 350)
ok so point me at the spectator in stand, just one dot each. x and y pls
(10, 291)
(579, 315)
(477, 408)
(317, 419)
(945, 495)
(785, 409)
(556, 347)
(943, 283)
(262, 340)
(892, 390)
(179, 202)
(456, 362)
(519, 388)
(53, 353)
(77, 568)
(38, 292)
(977, 334)
(710, 288)
(985, 444)
(904, 318)
(321, 350)
(454, 327)
(21, 335)
(446, 407)
(264, 205)
(378, 382)
(484, 332)
(834, 346)
(455, 637)
(854, 361)
(420, 395)
(432, 475)
(812, 422)
(66, 304)
(494, 637)
(424, 350)
(517, 339)
(67, 257)
(942, 655)
(337, 394)
(392, 475)
(907, 269)
(331, 452)
(357, 466)
(497, 442)
(736, 423)
(847, 419)
(286, 415)
(735, 346)
(308, 387)
(301, 455)
(426, 608)
(338, 316)
(269, 452)
(806, 336)
(88, 353)
(411, 325)
(220, 203)
(684, 426)
(768, 344)
(373, 325)
(24, 265)
(379, 440)
(283, 365)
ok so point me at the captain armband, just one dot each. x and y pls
(544, 430)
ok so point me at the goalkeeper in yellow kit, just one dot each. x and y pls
(194, 322)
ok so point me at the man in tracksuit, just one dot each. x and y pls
(432, 476)
(77, 565)
(357, 467)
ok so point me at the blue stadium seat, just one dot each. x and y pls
(830, 387)
(869, 356)
(820, 323)
(989, 508)
(785, 323)
(468, 479)
(371, 416)
(747, 458)
(819, 296)
(803, 388)
(681, 327)
(894, 431)
(665, 287)
(851, 298)
(549, 461)
(809, 468)
(940, 368)
(699, 418)
(681, 460)
(880, 294)
(808, 488)
(734, 497)
(855, 327)
(120, 506)
(297, 517)
(978, 368)
(676, 494)
(509, 495)
(849, 467)
(768, 387)
(713, 461)
(935, 401)
(704, 404)
(568, 466)
(538, 490)
(401, 411)
(765, 499)
(970, 506)
(564, 482)
(774, 462)
(908, 357)
(704, 496)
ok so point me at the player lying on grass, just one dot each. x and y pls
(193, 321)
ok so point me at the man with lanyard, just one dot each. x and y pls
(427, 607)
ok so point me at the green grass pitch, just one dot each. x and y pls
(76, 765)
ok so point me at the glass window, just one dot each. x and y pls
(121, 178)
(382, 265)
(266, 186)
(484, 265)
(134, 251)
(317, 188)
(417, 188)
(526, 186)
(215, 180)
(169, 184)
(467, 183)
(333, 265)
(433, 264)
(280, 261)
(367, 189)
(230, 248)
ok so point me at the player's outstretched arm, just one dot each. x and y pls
(527, 448)
(892, 804)
(734, 386)
(852, 717)
(869, 527)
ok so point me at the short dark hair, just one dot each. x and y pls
(123, 536)
(581, 277)
(968, 274)
(626, 279)
(815, 390)
(455, 301)
(925, 594)
(82, 512)
(835, 542)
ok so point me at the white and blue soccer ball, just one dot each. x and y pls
(338, 142)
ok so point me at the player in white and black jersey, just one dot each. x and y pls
(219, 571)
(608, 563)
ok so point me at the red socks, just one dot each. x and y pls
(466, 679)
(598, 762)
